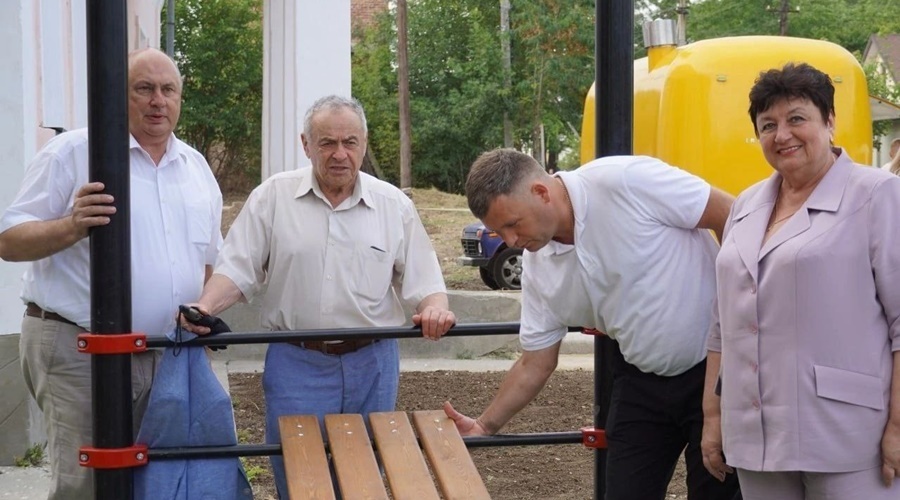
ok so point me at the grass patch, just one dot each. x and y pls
(465, 354)
(506, 352)
(253, 472)
(33, 457)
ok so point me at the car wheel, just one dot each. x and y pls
(506, 268)
(488, 278)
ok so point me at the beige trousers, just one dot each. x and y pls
(59, 378)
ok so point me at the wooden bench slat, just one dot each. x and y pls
(305, 463)
(354, 461)
(453, 467)
(401, 457)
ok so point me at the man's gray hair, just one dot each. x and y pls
(332, 102)
(496, 173)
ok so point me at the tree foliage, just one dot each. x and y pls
(454, 87)
(554, 67)
(218, 48)
(457, 95)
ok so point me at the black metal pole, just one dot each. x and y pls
(613, 100)
(264, 450)
(381, 332)
(107, 64)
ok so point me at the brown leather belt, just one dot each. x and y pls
(35, 311)
(334, 348)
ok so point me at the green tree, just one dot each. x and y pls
(553, 67)
(375, 86)
(218, 48)
(454, 56)
(456, 82)
(455, 85)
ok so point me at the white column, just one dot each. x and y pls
(306, 55)
(18, 131)
(20, 90)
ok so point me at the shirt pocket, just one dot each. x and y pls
(374, 270)
(199, 224)
(849, 387)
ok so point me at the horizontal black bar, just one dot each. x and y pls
(262, 450)
(388, 332)
(523, 439)
(240, 450)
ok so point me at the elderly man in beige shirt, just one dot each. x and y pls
(337, 249)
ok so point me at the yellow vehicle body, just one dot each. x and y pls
(691, 102)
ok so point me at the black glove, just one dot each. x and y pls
(214, 323)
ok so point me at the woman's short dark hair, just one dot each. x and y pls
(793, 81)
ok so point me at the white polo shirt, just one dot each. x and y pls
(638, 271)
(342, 267)
(176, 210)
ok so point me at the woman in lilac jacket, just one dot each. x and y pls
(807, 342)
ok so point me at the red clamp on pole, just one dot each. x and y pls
(113, 458)
(591, 331)
(592, 437)
(119, 343)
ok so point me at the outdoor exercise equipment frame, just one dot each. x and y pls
(107, 65)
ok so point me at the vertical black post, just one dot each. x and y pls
(613, 98)
(107, 64)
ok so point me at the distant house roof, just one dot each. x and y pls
(887, 49)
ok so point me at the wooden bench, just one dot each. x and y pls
(355, 465)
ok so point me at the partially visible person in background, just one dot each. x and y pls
(893, 166)
(807, 334)
(175, 238)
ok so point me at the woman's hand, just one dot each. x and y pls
(711, 448)
(890, 453)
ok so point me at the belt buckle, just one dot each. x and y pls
(337, 348)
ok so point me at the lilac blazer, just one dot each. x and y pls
(807, 323)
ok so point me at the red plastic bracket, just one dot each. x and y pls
(113, 458)
(591, 331)
(119, 343)
(593, 438)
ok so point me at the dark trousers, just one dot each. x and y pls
(651, 420)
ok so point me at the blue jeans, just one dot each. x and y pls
(298, 381)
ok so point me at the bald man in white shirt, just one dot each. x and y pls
(175, 238)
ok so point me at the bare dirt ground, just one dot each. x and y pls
(558, 472)
(552, 472)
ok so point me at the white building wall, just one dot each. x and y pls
(19, 131)
(306, 55)
(43, 90)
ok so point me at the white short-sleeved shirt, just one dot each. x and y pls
(176, 210)
(343, 267)
(639, 270)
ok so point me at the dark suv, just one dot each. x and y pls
(499, 265)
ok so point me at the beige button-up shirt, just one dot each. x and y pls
(344, 267)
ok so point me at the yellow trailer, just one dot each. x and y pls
(690, 104)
